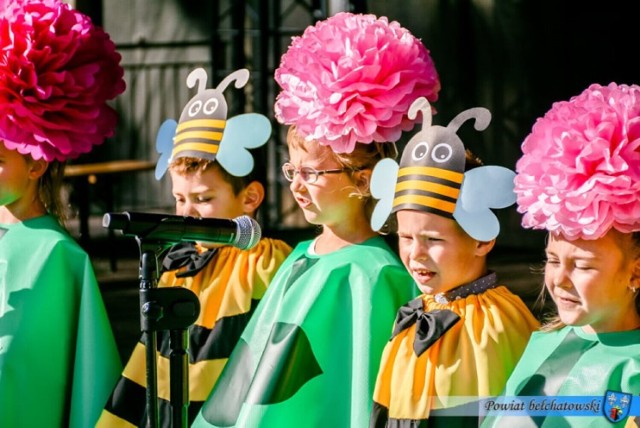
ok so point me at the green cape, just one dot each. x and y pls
(58, 357)
(310, 354)
(570, 362)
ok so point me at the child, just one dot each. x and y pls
(228, 281)
(578, 178)
(58, 356)
(310, 353)
(461, 338)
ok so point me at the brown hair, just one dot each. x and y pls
(193, 165)
(552, 322)
(471, 160)
(50, 190)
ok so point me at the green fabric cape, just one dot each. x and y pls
(58, 357)
(310, 354)
(570, 362)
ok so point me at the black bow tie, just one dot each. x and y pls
(430, 325)
(186, 254)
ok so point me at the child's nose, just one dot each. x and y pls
(188, 209)
(297, 184)
(560, 278)
(418, 251)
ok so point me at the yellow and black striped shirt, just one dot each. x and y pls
(229, 287)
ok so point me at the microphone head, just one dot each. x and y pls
(248, 233)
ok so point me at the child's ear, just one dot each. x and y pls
(635, 274)
(362, 179)
(37, 168)
(484, 247)
(253, 195)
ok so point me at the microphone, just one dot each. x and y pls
(242, 232)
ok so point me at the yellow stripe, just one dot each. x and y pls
(209, 135)
(201, 123)
(425, 201)
(427, 186)
(202, 375)
(135, 371)
(446, 174)
(109, 420)
(200, 147)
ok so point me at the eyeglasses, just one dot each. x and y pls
(307, 174)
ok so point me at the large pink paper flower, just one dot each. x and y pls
(57, 72)
(351, 79)
(580, 172)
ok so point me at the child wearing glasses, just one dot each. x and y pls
(311, 351)
(228, 281)
(578, 179)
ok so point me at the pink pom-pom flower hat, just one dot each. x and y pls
(579, 175)
(351, 79)
(57, 72)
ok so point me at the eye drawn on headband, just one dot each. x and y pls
(442, 153)
(420, 151)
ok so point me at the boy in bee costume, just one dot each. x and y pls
(461, 338)
(211, 173)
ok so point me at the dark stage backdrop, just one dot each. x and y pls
(514, 57)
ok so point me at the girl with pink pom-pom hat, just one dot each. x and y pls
(58, 357)
(579, 179)
(311, 351)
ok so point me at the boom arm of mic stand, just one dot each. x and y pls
(167, 308)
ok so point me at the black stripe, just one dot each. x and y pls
(426, 193)
(194, 140)
(200, 128)
(429, 178)
(210, 344)
(128, 401)
(418, 207)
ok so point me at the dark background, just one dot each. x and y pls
(514, 57)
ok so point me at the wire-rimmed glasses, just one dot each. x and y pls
(308, 174)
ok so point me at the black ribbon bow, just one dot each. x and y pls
(430, 325)
(186, 254)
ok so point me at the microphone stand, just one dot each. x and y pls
(172, 309)
(168, 308)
